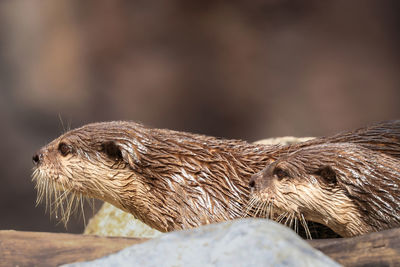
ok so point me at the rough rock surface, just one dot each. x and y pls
(286, 140)
(111, 221)
(244, 242)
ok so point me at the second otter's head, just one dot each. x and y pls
(338, 185)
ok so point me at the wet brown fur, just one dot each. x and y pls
(351, 189)
(170, 180)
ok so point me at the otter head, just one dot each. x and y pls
(95, 161)
(310, 184)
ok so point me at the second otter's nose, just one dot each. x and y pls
(252, 183)
(37, 158)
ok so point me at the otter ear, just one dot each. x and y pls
(112, 150)
(120, 151)
(130, 156)
(327, 173)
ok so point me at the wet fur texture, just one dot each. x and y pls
(351, 189)
(168, 179)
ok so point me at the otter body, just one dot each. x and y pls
(168, 179)
(346, 187)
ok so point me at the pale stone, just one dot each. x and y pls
(111, 221)
(244, 242)
(286, 140)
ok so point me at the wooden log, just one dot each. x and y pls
(51, 249)
(375, 249)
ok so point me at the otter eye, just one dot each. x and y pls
(64, 149)
(111, 150)
(280, 173)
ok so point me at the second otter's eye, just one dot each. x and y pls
(280, 173)
(64, 149)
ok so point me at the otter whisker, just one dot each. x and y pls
(56, 206)
(62, 122)
(61, 197)
(265, 209)
(83, 211)
(70, 202)
(40, 187)
(70, 207)
(253, 207)
(286, 219)
(58, 200)
(72, 199)
(40, 194)
(305, 226)
(91, 203)
(53, 193)
(281, 217)
(60, 203)
(258, 208)
(262, 209)
(250, 205)
(271, 213)
(268, 210)
(291, 216)
(66, 194)
(48, 194)
(64, 201)
(77, 203)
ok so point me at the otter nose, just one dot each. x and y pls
(252, 183)
(37, 158)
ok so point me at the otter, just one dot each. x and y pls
(351, 189)
(170, 180)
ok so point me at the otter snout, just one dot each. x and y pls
(262, 179)
(255, 181)
(37, 157)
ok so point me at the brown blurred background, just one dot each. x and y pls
(236, 69)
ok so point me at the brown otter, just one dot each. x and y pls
(350, 189)
(170, 180)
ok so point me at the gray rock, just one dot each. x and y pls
(244, 242)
